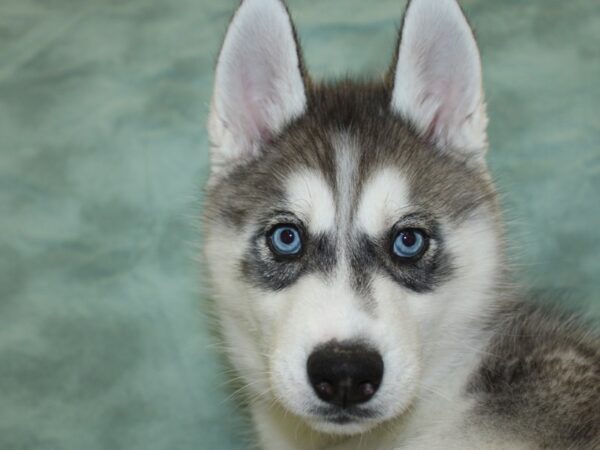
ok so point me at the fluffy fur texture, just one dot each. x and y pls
(467, 363)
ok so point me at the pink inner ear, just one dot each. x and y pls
(249, 111)
(452, 100)
(432, 129)
(448, 80)
(258, 83)
(258, 99)
(263, 100)
(438, 76)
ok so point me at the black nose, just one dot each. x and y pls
(345, 374)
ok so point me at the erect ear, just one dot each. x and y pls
(259, 84)
(437, 77)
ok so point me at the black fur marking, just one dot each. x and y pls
(267, 270)
(363, 262)
(351, 413)
(420, 275)
(424, 274)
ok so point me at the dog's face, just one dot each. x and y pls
(351, 229)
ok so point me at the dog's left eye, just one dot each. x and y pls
(285, 240)
(410, 243)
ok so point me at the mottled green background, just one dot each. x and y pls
(103, 155)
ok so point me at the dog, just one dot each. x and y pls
(355, 251)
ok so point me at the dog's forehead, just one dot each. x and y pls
(347, 163)
(369, 205)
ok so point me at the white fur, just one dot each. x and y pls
(311, 199)
(258, 83)
(385, 199)
(438, 81)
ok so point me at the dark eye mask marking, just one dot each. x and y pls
(271, 271)
(270, 268)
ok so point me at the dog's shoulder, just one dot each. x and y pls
(540, 377)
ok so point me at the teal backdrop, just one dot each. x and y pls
(103, 153)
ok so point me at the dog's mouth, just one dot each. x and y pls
(342, 419)
(352, 413)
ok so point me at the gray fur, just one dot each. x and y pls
(540, 377)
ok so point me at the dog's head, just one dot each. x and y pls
(351, 228)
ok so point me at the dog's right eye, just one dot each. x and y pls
(285, 240)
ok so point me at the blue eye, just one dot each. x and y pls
(285, 240)
(409, 243)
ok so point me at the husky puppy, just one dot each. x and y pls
(355, 249)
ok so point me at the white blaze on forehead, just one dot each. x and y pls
(383, 200)
(311, 199)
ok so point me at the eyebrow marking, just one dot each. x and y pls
(311, 199)
(385, 197)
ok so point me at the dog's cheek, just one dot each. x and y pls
(232, 299)
(473, 251)
(269, 309)
(453, 307)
